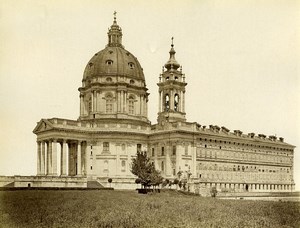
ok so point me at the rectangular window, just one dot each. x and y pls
(139, 147)
(174, 150)
(186, 150)
(162, 151)
(106, 147)
(123, 165)
(174, 172)
(152, 152)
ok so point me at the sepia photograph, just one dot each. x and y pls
(149, 113)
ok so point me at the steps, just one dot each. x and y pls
(94, 185)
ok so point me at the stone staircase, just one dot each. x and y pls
(94, 185)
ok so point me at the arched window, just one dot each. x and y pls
(176, 102)
(109, 103)
(167, 102)
(131, 105)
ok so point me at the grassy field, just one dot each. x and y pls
(39, 208)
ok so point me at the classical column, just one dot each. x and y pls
(63, 160)
(79, 158)
(49, 157)
(54, 157)
(95, 101)
(38, 158)
(92, 100)
(43, 158)
(141, 105)
(125, 101)
(144, 106)
(121, 101)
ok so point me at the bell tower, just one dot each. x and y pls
(171, 88)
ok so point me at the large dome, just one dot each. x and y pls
(113, 86)
(114, 61)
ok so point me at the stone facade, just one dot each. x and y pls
(113, 125)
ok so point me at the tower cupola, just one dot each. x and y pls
(172, 64)
(115, 34)
(171, 91)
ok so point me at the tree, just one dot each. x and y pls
(138, 181)
(144, 169)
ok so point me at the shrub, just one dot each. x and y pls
(213, 192)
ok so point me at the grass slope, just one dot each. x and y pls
(40, 208)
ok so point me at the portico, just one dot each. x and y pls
(61, 157)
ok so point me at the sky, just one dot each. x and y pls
(241, 61)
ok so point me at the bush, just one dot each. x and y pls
(213, 192)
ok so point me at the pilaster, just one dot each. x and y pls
(79, 158)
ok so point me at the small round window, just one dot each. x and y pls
(109, 62)
(108, 79)
(131, 82)
(131, 65)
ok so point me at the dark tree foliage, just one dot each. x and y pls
(144, 169)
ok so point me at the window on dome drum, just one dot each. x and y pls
(174, 150)
(167, 78)
(108, 79)
(176, 102)
(106, 147)
(109, 104)
(131, 82)
(131, 105)
(131, 65)
(167, 102)
(109, 62)
(162, 151)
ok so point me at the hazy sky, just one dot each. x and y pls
(241, 60)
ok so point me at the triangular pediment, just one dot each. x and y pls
(43, 125)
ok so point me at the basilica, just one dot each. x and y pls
(113, 125)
